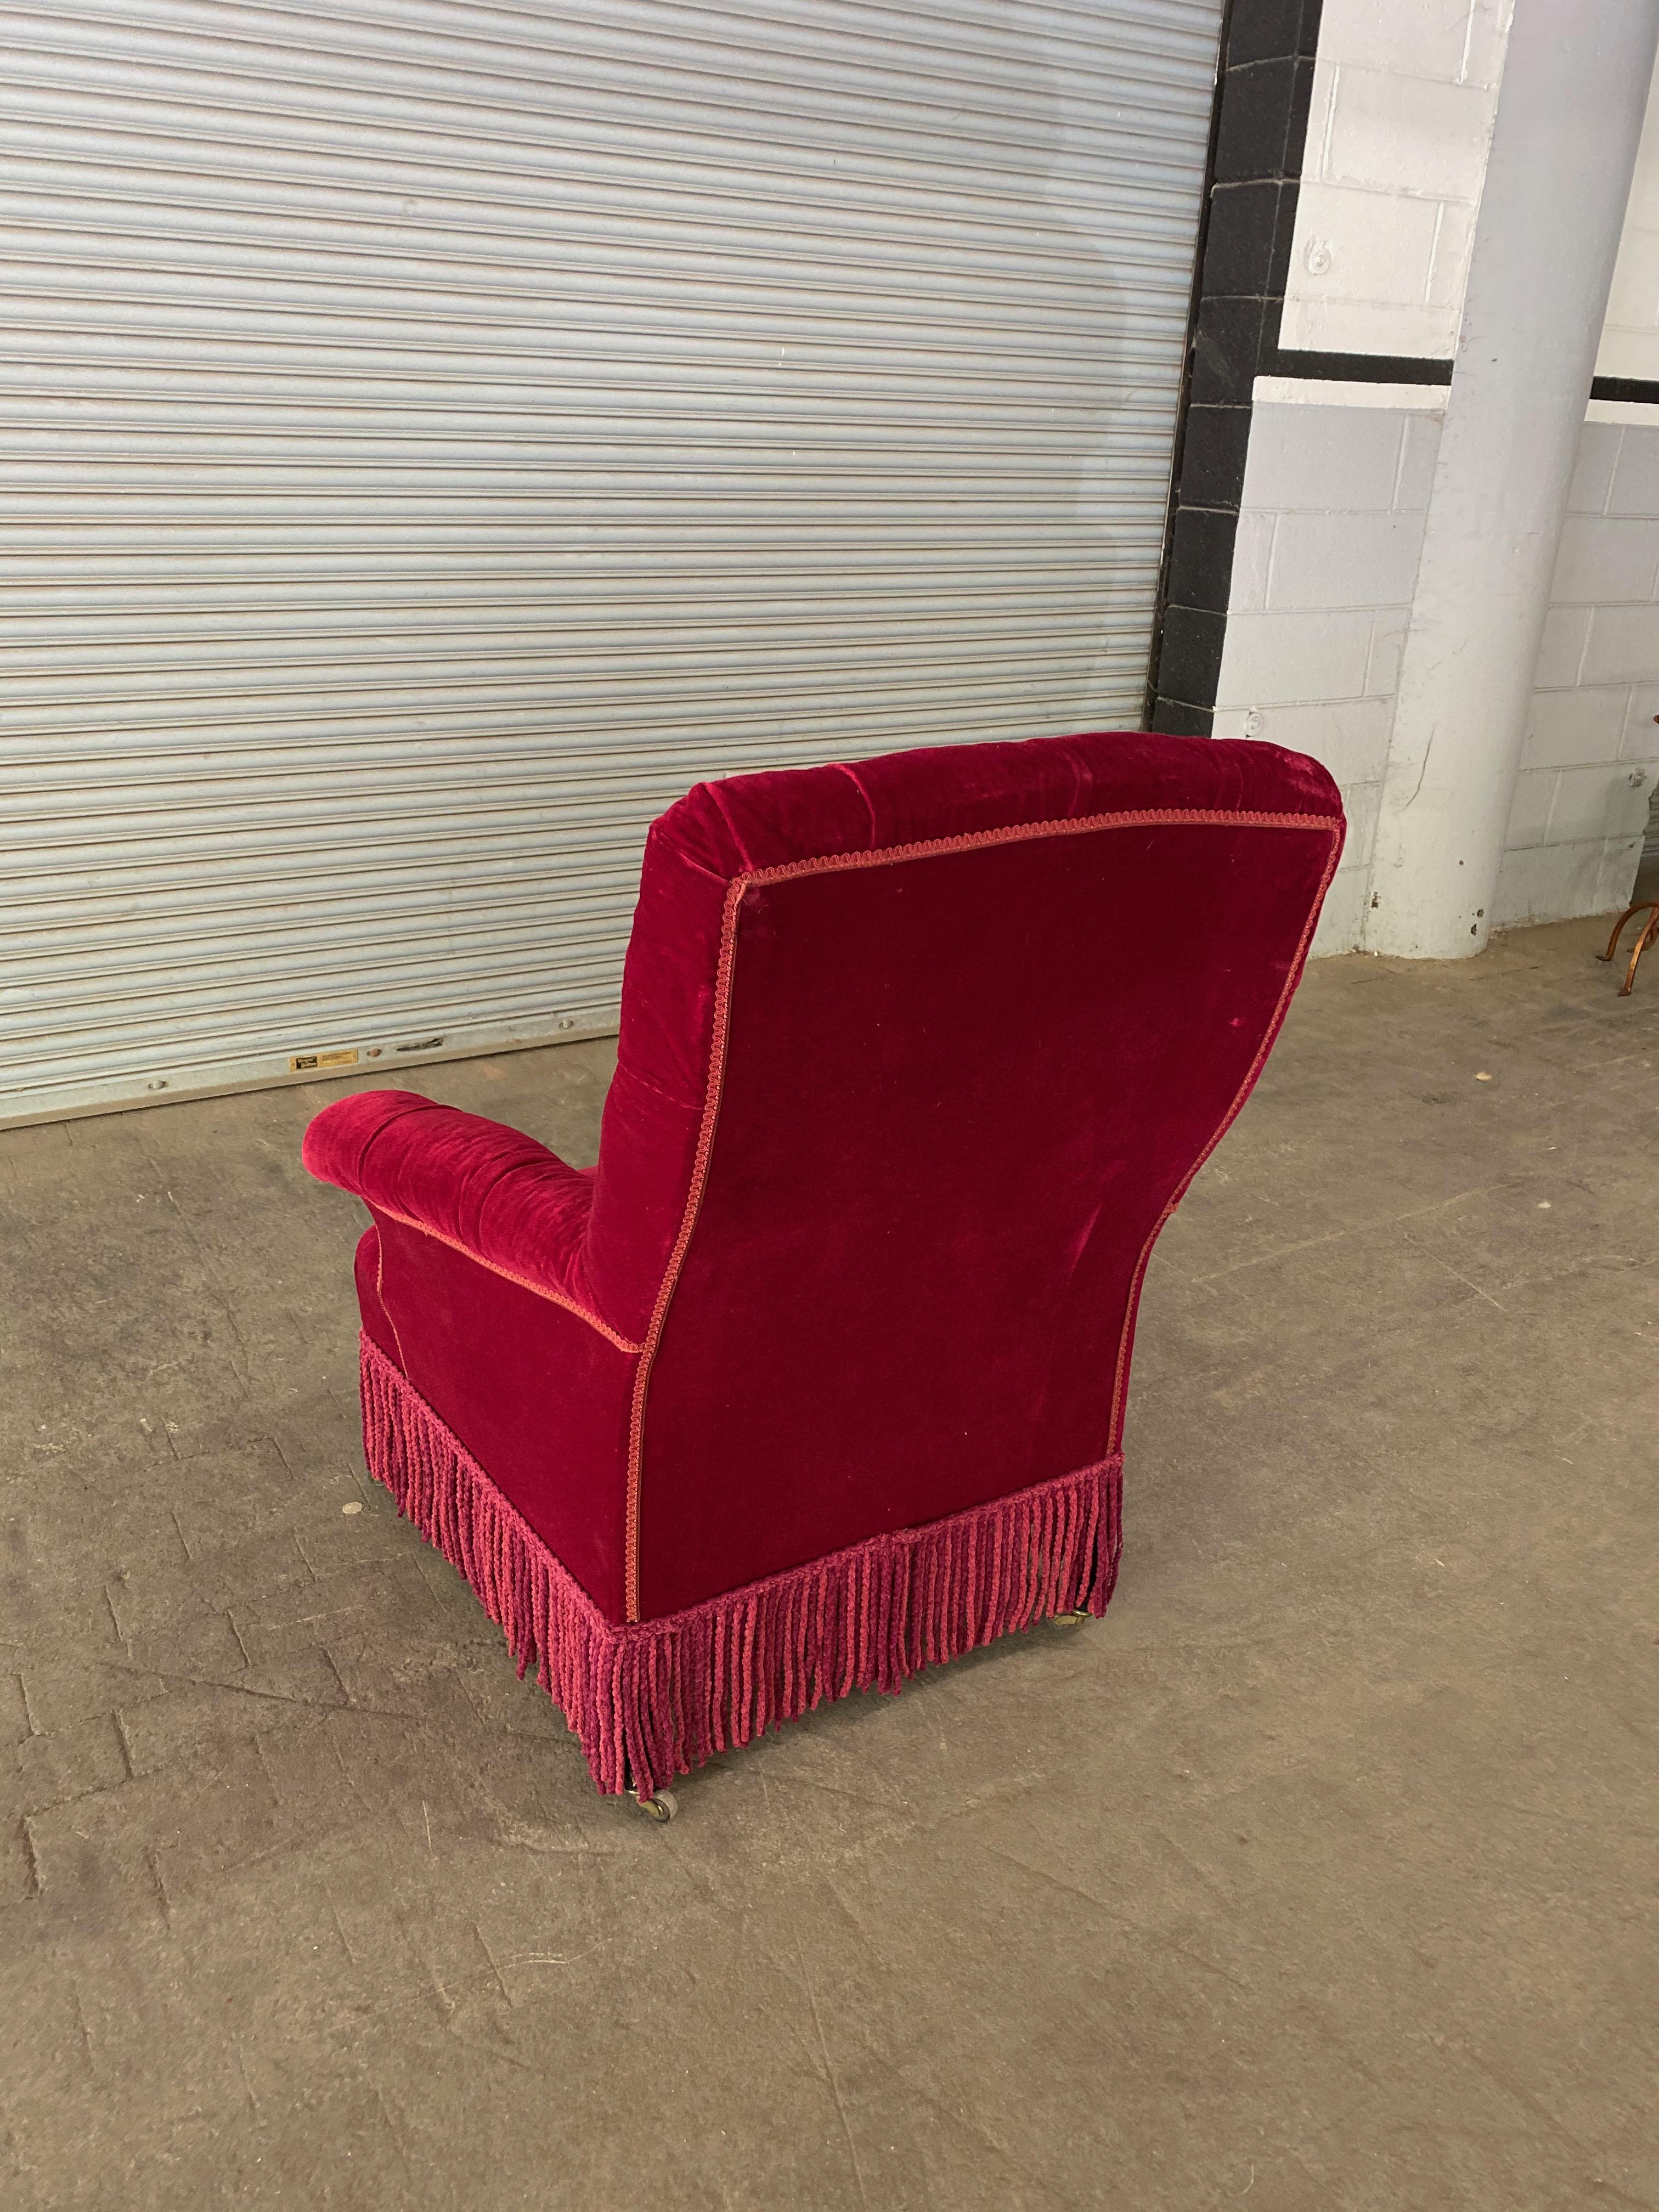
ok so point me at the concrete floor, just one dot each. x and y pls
(1320, 1873)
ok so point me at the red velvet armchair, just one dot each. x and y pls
(817, 1378)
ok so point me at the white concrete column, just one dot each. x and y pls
(1570, 111)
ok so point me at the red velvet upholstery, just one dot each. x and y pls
(916, 1058)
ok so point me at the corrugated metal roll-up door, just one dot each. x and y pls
(435, 434)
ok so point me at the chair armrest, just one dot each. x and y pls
(490, 1191)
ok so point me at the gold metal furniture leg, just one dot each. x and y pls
(1645, 937)
(1641, 944)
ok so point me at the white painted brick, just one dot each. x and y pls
(1319, 115)
(1380, 244)
(1488, 38)
(1371, 326)
(1426, 37)
(1592, 473)
(1342, 914)
(1448, 266)
(1529, 810)
(1346, 560)
(1601, 560)
(1418, 455)
(1390, 129)
(1362, 803)
(1620, 859)
(1628, 794)
(1600, 802)
(1548, 883)
(1571, 729)
(1350, 736)
(1636, 476)
(1623, 646)
(1288, 657)
(1388, 628)
(1641, 738)
(1622, 353)
(1645, 189)
(1563, 646)
(1252, 552)
(1633, 302)
(1583, 797)
(1404, 95)
(1344, 458)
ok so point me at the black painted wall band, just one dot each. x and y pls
(1357, 368)
(1642, 390)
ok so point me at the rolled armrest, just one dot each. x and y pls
(489, 1190)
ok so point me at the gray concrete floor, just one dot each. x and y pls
(1320, 1873)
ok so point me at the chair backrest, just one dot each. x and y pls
(916, 1057)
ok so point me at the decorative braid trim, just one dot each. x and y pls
(650, 1699)
(508, 1274)
(1021, 833)
(719, 1030)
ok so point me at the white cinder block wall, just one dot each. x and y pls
(1324, 563)
(1338, 475)
(1575, 833)
(1404, 97)
(1329, 531)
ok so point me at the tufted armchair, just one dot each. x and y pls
(818, 1378)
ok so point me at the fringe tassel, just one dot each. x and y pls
(656, 1697)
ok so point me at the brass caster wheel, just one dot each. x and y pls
(1071, 1620)
(659, 1806)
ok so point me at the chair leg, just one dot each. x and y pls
(1070, 1619)
(659, 1805)
(1643, 937)
(1642, 906)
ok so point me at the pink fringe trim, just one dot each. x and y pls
(656, 1697)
